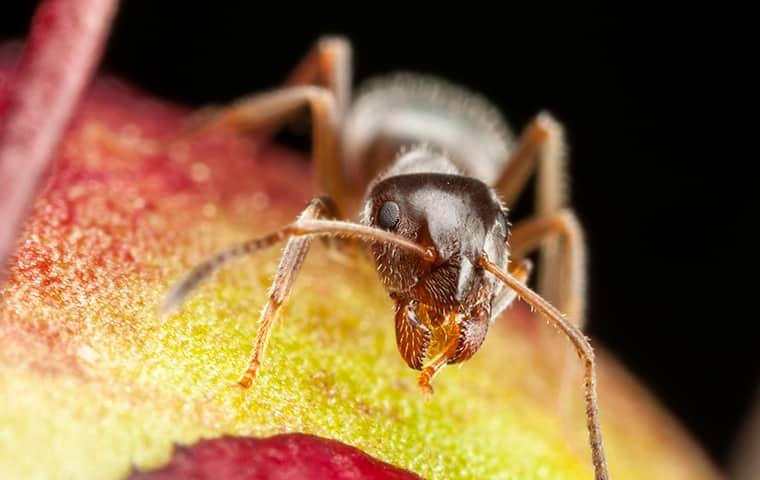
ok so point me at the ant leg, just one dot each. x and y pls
(521, 270)
(583, 349)
(322, 82)
(328, 64)
(531, 234)
(287, 271)
(541, 149)
(272, 108)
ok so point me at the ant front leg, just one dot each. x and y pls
(542, 149)
(287, 271)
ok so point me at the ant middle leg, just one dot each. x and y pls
(570, 266)
(541, 149)
(287, 271)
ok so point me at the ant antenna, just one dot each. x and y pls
(582, 346)
(298, 229)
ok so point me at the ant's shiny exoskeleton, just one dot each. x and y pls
(434, 157)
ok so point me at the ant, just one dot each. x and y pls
(422, 161)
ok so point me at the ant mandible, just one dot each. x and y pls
(434, 157)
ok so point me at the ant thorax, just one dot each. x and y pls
(395, 111)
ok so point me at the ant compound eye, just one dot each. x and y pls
(389, 215)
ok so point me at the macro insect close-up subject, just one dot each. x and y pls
(368, 243)
(442, 168)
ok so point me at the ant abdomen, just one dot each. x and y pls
(394, 113)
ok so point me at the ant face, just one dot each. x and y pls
(459, 216)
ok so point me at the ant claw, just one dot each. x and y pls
(248, 377)
(425, 386)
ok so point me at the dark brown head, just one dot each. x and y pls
(456, 215)
(423, 198)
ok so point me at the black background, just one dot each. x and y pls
(661, 165)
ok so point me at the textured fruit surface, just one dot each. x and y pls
(93, 382)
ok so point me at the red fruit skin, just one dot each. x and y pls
(63, 49)
(281, 457)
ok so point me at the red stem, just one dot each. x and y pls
(65, 44)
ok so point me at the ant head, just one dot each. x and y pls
(460, 217)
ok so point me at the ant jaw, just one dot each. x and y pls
(245, 381)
